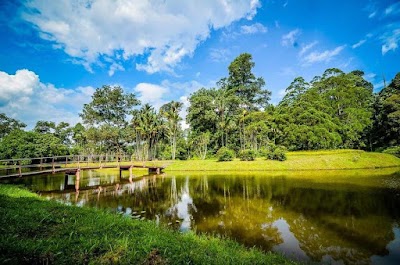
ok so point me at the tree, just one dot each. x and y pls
(8, 125)
(170, 112)
(245, 85)
(63, 132)
(44, 127)
(297, 88)
(386, 127)
(148, 128)
(107, 113)
(22, 144)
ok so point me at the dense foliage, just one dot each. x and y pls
(336, 110)
(247, 155)
(225, 154)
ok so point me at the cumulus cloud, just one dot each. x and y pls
(290, 39)
(253, 29)
(24, 97)
(325, 56)
(161, 32)
(151, 93)
(22, 83)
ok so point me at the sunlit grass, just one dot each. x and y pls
(34, 230)
(304, 160)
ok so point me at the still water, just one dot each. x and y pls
(333, 217)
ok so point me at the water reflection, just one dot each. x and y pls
(181, 205)
(348, 220)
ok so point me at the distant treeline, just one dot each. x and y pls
(334, 110)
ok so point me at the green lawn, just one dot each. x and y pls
(301, 160)
(37, 231)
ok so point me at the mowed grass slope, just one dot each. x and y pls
(301, 160)
(37, 231)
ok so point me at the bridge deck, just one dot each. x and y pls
(73, 169)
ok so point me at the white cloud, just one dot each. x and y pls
(115, 67)
(164, 32)
(306, 48)
(152, 94)
(324, 56)
(391, 40)
(290, 39)
(22, 83)
(358, 44)
(253, 29)
(24, 97)
(277, 24)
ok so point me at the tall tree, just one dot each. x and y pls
(107, 113)
(245, 84)
(170, 112)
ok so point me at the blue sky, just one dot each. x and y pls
(55, 53)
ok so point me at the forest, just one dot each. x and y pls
(335, 110)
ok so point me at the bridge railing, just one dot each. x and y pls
(20, 165)
(52, 163)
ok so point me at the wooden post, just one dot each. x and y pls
(53, 166)
(40, 167)
(20, 168)
(100, 157)
(66, 161)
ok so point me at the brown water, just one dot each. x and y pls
(334, 217)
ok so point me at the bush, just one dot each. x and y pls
(225, 154)
(247, 155)
(394, 150)
(278, 154)
(266, 149)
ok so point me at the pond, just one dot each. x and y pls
(334, 217)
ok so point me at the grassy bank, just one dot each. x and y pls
(35, 231)
(304, 160)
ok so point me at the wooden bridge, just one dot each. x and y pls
(72, 163)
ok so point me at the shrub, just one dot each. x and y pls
(225, 154)
(394, 150)
(247, 155)
(278, 154)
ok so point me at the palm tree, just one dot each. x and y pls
(170, 112)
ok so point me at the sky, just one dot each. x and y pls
(54, 54)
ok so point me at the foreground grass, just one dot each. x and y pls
(35, 231)
(304, 160)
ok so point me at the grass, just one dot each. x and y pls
(302, 160)
(36, 231)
